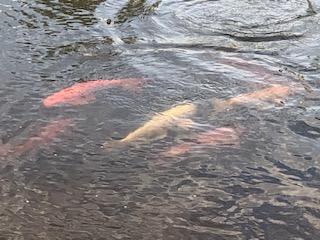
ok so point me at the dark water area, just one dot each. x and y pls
(57, 181)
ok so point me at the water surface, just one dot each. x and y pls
(189, 51)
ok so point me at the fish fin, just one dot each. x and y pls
(185, 123)
(218, 105)
(112, 145)
(158, 137)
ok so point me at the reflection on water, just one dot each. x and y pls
(246, 168)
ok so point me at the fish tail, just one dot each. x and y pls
(113, 145)
(218, 105)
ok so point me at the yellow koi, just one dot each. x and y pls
(157, 127)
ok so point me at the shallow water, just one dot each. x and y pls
(62, 185)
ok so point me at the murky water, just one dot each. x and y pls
(259, 180)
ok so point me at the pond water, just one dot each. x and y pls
(257, 176)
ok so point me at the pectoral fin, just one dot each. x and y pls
(112, 145)
(160, 135)
(184, 123)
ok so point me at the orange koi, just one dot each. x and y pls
(213, 138)
(275, 93)
(42, 137)
(83, 93)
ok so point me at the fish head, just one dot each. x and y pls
(67, 97)
(270, 93)
(59, 98)
(52, 101)
(180, 111)
(280, 90)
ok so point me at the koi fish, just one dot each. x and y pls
(257, 70)
(42, 137)
(213, 138)
(157, 127)
(275, 93)
(83, 93)
(272, 76)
